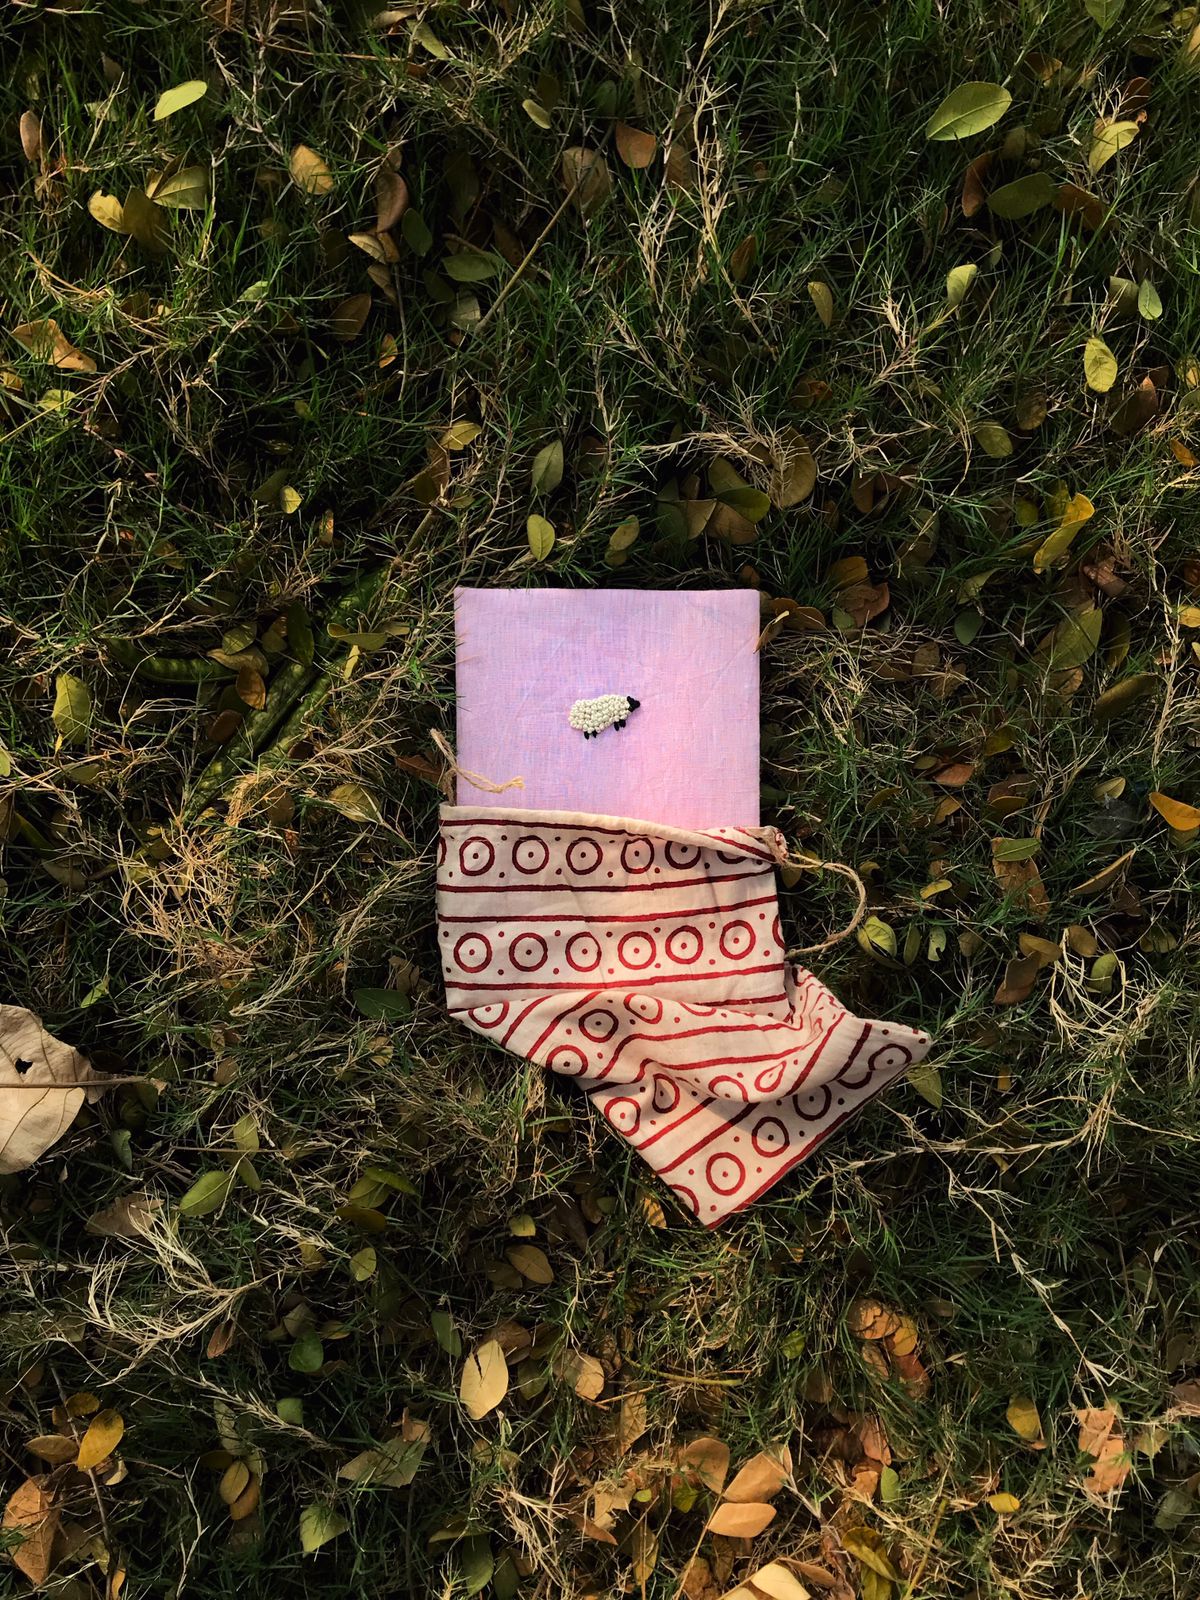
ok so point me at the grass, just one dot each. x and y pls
(1039, 1225)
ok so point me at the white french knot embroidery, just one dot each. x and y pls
(591, 717)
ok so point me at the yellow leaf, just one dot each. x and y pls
(583, 1372)
(1079, 510)
(183, 94)
(47, 342)
(1023, 1418)
(289, 499)
(1003, 1504)
(484, 1381)
(355, 802)
(958, 281)
(1108, 139)
(459, 435)
(821, 296)
(993, 440)
(363, 1263)
(233, 1481)
(531, 1263)
(868, 1547)
(318, 1525)
(108, 211)
(541, 536)
(1177, 812)
(101, 1439)
(186, 190)
(310, 172)
(741, 1520)
(1099, 365)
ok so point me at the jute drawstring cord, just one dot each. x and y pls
(475, 779)
(843, 871)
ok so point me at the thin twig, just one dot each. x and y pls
(528, 257)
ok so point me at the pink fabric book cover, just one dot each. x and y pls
(687, 757)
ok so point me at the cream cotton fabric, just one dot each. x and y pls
(647, 963)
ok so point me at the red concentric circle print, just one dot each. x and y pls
(530, 854)
(583, 952)
(727, 1088)
(473, 952)
(769, 1136)
(890, 1058)
(646, 1007)
(725, 1174)
(813, 1104)
(637, 855)
(528, 952)
(567, 1060)
(682, 855)
(489, 1016)
(737, 940)
(598, 1026)
(476, 855)
(666, 1094)
(584, 856)
(624, 1114)
(637, 950)
(685, 945)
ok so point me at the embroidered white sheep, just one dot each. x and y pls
(591, 717)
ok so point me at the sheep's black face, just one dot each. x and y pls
(633, 704)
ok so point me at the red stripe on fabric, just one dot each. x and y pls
(559, 1018)
(532, 1006)
(746, 842)
(821, 1047)
(682, 1121)
(592, 888)
(816, 1140)
(634, 982)
(726, 1124)
(613, 916)
(691, 1033)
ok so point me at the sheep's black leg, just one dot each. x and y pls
(618, 724)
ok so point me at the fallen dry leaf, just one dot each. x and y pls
(635, 148)
(32, 1513)
(484, 1381)
(741, 1519)
(131, 1216)
(869, 1319)
(584, 1373)
(1101, 1438)
(586, 178)
(1025, 1420)
(763, 1475)
(708, 1460)
(47, 342)
(632, 1421)
(43, 1083)
(104, 1433)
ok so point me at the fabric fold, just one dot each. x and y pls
(648, 963)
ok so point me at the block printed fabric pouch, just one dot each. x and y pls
(647, 962)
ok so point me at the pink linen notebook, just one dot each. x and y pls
(688, 756)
